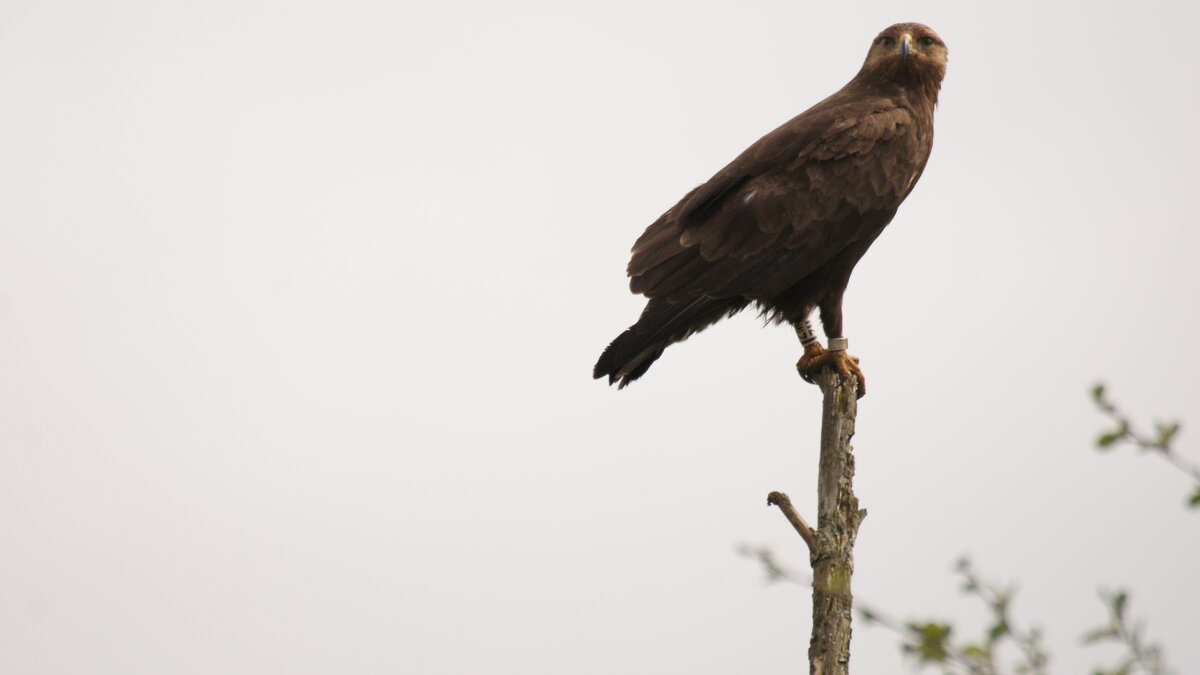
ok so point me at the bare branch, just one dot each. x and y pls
(838, 518)
(785, 504)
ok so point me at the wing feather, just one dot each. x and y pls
(784, 207)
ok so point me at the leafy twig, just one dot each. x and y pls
(1159, 443)
(1142, 658)
(999, 600)
(929, 642)
(775, 571)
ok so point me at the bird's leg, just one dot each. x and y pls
(817, 357)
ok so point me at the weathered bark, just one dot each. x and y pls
(831, 545)
(838, 517)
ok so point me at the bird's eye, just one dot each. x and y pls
(926, 41)
(887, 41)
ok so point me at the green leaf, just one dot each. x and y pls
(931, 639)
(1166, 432)
(1098, 392)
(975, 653)
(1194, 500)
(1106, 440)
(1118, 604)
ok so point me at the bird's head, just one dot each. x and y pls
(908, 54)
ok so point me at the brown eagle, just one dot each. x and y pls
(783, 225)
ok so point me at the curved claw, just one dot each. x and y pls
(817, 357)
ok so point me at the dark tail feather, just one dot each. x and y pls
(662, 323)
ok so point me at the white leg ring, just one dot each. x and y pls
(805, 332)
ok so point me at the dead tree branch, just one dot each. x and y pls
(803, 528)
(831, 545)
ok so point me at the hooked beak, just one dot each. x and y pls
(905, 46)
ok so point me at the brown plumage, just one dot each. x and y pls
(783, 225)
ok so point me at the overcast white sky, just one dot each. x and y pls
(299, 302)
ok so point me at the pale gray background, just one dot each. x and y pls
(299, 302)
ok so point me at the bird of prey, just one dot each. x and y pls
(783, 225)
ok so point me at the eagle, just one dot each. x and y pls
(783, 225)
